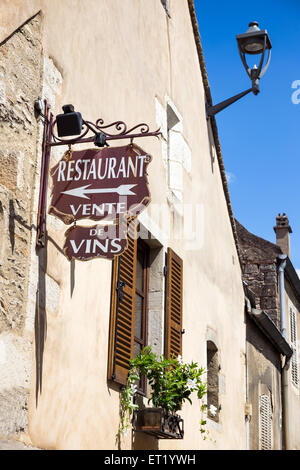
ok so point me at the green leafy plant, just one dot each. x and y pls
(172, 382)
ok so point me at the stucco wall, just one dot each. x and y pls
(116, 69)
(264, 377)
(293, 391)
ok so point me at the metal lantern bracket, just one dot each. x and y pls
(97, 133)
(255, 74)
(101, 133)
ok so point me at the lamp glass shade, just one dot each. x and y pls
(254, 40)
(254, 46)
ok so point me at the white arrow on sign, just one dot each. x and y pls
(122, 190)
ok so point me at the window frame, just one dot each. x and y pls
(212, 366)
(143, 248)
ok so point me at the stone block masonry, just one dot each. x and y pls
(20, 84)
(259, 265)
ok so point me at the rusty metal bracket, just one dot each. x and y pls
(41, 216)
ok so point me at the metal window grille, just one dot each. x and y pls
(293, 337)
(265, 413)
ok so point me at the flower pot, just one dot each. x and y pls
(159, 423)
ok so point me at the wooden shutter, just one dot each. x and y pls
(173, 304)
(122, 311)
(293, 336)
(265, 422)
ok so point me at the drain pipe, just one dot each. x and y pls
(284, 374)
(247, 406)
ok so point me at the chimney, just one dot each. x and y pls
(283, 231)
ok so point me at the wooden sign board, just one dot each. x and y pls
(85, 243)
(100, 184)
(94, 184)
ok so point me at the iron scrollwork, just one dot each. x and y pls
(113, 131)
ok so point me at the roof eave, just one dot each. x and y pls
(213, 121)
(270, 330)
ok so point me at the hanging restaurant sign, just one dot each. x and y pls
(100, 184)
(104, 184)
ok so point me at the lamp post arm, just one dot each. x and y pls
(212, 110)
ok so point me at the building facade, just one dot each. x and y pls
(60, 376)
(272, 316)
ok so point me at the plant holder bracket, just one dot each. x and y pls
(159, 423)
(101, 133)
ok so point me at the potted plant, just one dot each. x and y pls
(172, 382)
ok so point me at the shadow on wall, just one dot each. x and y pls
(40, 322)
(13, 217)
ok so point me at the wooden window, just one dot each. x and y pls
(173, 305)
(265, 423)
(121, 334)
(293, 337)
(129, 307)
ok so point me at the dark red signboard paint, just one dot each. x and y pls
(85, 243)
(97, 184)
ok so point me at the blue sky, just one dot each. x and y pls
(259, 135)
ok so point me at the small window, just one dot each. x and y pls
(141, 303)
(293, 337)
(212, 381)
(265, 423)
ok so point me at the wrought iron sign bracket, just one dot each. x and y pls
(97, 133)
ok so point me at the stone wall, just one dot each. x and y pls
(20, 85)
(262, 280)
(259, 266)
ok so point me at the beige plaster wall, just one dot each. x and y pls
(264, 377)
(293, 391)
(113, 58)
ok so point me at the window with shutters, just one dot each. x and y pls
(129, 307)
(293, 340)
(173, 302)
(265, 423)
(137, 292)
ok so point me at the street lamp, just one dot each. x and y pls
(70, 123)
(253, 42)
